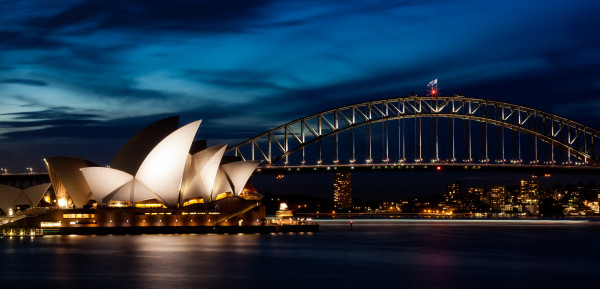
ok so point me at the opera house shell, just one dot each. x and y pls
(155, 165)
(158, 178)
(11, 197)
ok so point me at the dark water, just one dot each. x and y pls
(401, 254)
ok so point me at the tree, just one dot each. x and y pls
(550, 208)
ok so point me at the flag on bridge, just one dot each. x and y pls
(433, 87)
(432, 83)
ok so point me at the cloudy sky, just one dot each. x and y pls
(80, 77)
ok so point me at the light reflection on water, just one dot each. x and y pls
(403, 253)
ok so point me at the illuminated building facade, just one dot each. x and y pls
(153, 169)
(158, 178)
(452, 191)
(342, 190)
(529, 189)
(476, 192)
(497, 197)
(529, 194)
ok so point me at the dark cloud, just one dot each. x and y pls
(62, 113)
(52, 123)
(26, 40)
(196, 16)
(234, 79)
(24, 81)
(74, 132)
(47, 27)
(130, 93)
(75, 127)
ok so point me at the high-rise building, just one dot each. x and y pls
(476, 192)
(497, 197)
(529, 193)
(529, 189)
(342, 190)
(452, 191)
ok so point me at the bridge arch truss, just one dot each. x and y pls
(457, 130)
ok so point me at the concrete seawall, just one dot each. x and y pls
(171, 230)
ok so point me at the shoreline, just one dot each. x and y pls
(455, 222)
(150, 230)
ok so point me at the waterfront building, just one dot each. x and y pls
(476, 192)
(342, 190)
(153, 169)
(390, 206)
(496, 197)
(529, 189)
(158, 178)
(14, 199)
(594, 206)
(529, 192)
(452, 192)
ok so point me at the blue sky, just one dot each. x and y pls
(78, 78)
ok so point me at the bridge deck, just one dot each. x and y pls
(424, 167)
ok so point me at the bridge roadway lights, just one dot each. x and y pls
(431, 167)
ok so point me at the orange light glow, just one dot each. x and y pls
(62, 202)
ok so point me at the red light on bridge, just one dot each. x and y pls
(439, 168)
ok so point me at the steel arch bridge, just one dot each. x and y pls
(443, 131)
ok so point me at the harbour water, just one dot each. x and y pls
(375, 253)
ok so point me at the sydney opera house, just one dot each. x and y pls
(160, 178)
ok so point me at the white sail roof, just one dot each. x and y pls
(35, 193)
(104, 181)
(202, 172)
(159, 176)
(7, 196)
(162, 170)
(11, 196)
(132, 154)
(238, 174)
(67, 179)
(170, 174)
(21, 199)
(222, 184)
(141, 192)
(123, 193)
